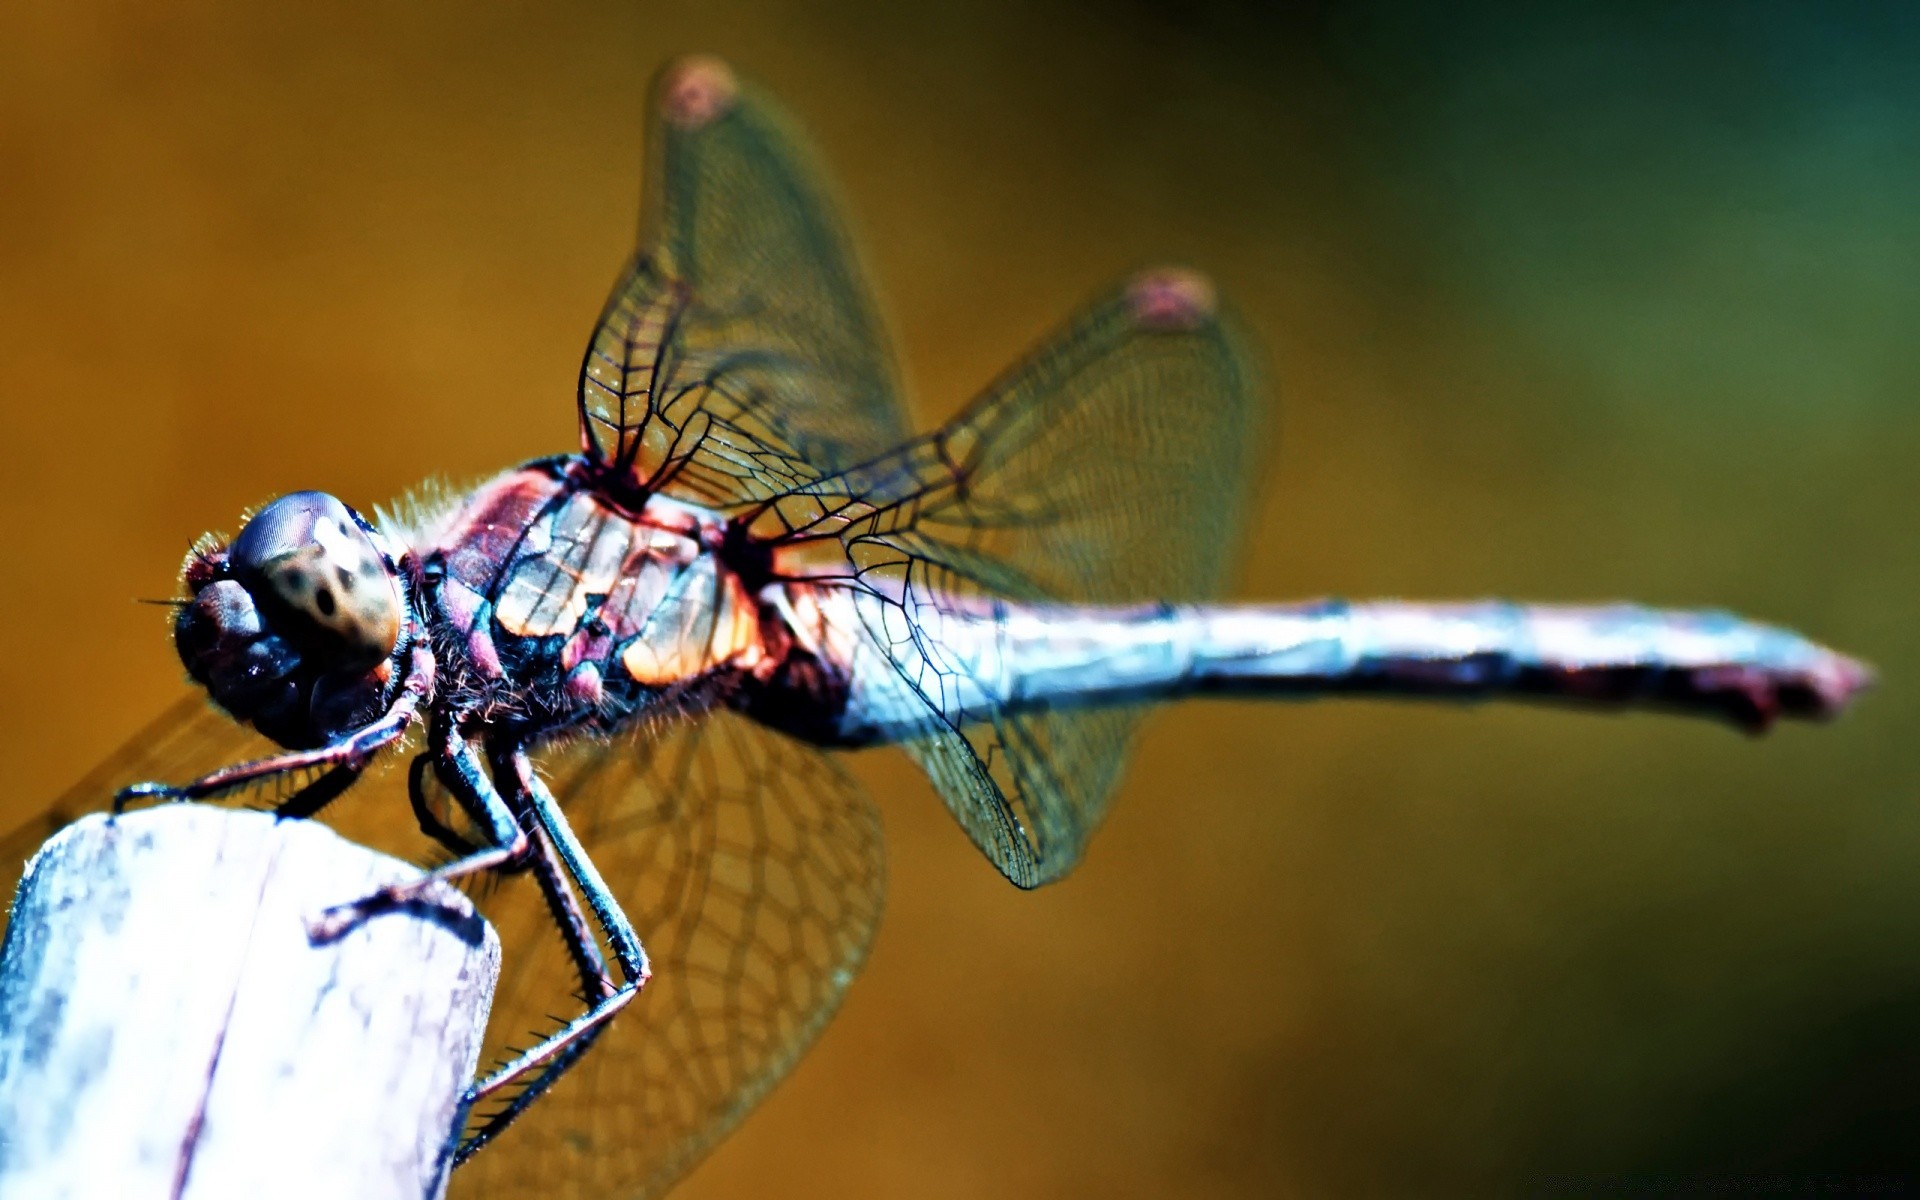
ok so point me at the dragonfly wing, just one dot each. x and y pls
(189, 739)
(750, 863)
(740, 354)
(1110, 467)
(751, 867)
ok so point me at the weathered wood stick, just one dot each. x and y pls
(167, 1028)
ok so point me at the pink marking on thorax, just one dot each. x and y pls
(591, 643)
(460, 603)
(481, 536)
(585, 686)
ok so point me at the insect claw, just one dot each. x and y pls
(144, 791)
(334, 922)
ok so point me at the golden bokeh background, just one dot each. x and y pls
(1613, 305)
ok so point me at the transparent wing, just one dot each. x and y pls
(740, 355)
(1110, 467)
(750, 864)
(188, 739)
(751, 867)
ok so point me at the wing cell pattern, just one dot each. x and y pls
(739, 355)
(752, 867)
(740, 364)
(1111, 466)
(189, 738)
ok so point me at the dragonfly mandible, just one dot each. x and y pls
(624, 664)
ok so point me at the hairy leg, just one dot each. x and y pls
(541, 1066)
(354, 751)
(460, 768)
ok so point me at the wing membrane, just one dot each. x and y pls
(189, 738)
(1110, 467)
(751, 866)
(739, 355)
(739, 364)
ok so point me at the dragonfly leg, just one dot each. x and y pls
(430, 822)
(542, 1065)
(461, 770)
(561, 902)
(596, 982)
(354, 750)
(323, 791)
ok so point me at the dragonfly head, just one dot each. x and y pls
(293, 625)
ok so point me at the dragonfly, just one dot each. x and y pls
(617, 676)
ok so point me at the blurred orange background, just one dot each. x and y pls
(1559, 307)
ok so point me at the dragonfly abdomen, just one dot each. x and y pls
(972, 661)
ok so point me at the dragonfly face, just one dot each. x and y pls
(753, 558)
(293, 627)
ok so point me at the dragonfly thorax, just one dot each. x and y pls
(292, 627)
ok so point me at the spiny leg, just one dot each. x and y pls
(562, 904)
(323, 791)
(572, 1042)
(596, 986)
(551, 1058)
(354, 750)
(564, 907)
(461, 770)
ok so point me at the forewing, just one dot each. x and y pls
(751, 867)
(188, 739)
(1111, 467)
(740, 355)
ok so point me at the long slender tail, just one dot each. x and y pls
(1027, 657)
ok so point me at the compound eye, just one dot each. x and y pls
(306, 556)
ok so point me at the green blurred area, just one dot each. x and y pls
(1562, 305)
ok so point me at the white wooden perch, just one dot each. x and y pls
(168, 1030)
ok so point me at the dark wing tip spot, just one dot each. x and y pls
(323, 600)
